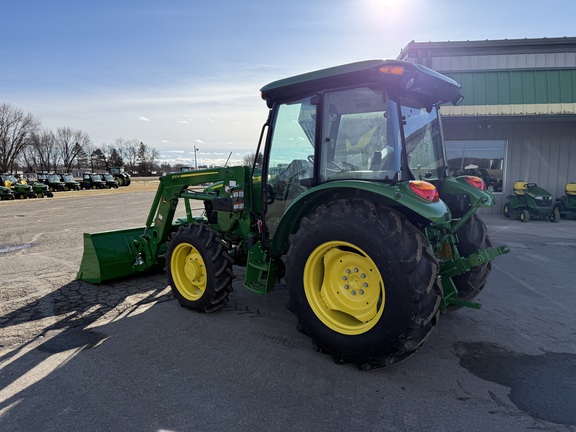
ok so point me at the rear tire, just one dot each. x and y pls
(199, 268)
(362, 283)
(472, 237)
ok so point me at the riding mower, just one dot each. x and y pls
(566, 205)
(530, 201)
(39, 187)
(6, 193)
(20, 190)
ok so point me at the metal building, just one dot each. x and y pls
(518, 118)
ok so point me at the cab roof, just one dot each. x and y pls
(396, 75)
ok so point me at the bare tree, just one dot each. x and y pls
(41, 154)
(131, 155)
(249, 159)
(70, 145)
(16, 128)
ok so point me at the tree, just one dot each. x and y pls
(40, 154)
(16, 129)
(249, 159)
(97, 160)
(146, 158)
(114, 158)
(131, 154)
(70, 144)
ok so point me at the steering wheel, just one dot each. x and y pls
(331, 165)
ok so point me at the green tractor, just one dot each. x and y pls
(70, 182)
(352, 210)
(21, 190)
(566, 204)
(6, 193)
(530, 201)
(121, 176)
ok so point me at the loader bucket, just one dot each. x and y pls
(107, 255)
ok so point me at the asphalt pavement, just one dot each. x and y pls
(126, 357)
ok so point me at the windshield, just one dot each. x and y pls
(68, 178)
(96, 177)
(53, 178)
(108, 177)
(423, 138)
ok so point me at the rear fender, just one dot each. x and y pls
(399, 197)
(460, 186)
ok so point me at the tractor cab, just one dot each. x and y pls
(376, 122)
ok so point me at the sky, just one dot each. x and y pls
(184, 74)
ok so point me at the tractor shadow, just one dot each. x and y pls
(62, 317)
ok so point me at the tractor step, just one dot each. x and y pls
(260, 272)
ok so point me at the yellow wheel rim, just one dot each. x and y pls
(188, 271)
(344, 288)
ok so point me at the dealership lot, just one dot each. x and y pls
(125, 356)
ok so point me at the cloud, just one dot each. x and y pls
(144, 119)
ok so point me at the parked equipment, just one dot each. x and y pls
(92, 181)
(19, 189)
(121, 176)
(352, 210)
(52, 180)
(530, 201)
(6, 193)
(109, 180)
(566, 204)
(40, 189)
(69, 182)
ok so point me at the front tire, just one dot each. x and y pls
(554, 215)
(507, 210)
(362, 283)
(199, 268)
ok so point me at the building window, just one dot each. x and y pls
(482, 158)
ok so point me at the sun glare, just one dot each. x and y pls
(386, 3)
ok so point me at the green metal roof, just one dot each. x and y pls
(517, 87)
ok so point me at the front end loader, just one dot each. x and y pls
(351, 209)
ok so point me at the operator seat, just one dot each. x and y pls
(520, 187)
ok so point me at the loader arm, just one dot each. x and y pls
(115, 254)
